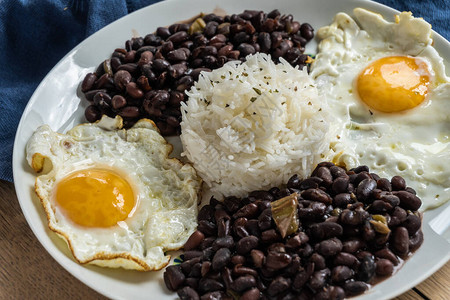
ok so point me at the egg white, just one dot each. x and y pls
(167, 191)
(415, 143)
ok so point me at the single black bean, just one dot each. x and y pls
(384, 267)
(341, 273)
(278, 286)
(251, 294)
(88, 82)
(129, 112)
(270, 236)
(385, 253)
(238, 260)
(325, 230)
(194, 240)
(92, 113)
(319, 279)
(173, 277)
(248, 211)
(246, 244)
(412, 224)
(221, 259)
(352, 245)
(384, 184)
(353, 288)
(163, 32)
(277, 260)
(317, 195)
(340, 185)
(366, 269)
(346, 259)
(398, 183)
(134, 91)
(207, 227)
(365, 189)
(319, 261)
(243, 283)
(178, 37)
(223, 242)
(206, 285)
(160, 65)
(408, 201)
(258, 258)
(329, 247)
(415, 241)
(187, 293)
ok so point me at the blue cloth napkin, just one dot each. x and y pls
(35, 35)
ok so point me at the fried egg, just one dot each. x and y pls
(113, 194)
(390, 97)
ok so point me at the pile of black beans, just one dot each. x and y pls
(355, 230)
(148, 77)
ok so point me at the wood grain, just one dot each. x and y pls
(27, 271)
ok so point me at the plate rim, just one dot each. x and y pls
(16, 163)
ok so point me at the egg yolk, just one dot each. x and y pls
(95, 197)
(394, 84)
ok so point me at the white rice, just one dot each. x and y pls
(252, 125)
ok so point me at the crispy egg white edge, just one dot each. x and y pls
(42, 163)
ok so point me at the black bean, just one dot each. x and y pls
(187, 293)
(92, 113)
(278, 286)
(129, 112)
(246, 244)
(342, 200)
(178, 37)
(384, 184)
(408, 201)
(346, 259)
(340, 185)
(223, 242)
(206, 285)
(277, 260)
(329, 247)
(250, 210)
(366, 269)
(163, 32)
(208, 228)
(384, 267)
(194, 240)
(412, 224)
(270, 236)
(319, 279)
(251, 294)
(398, 183)
(341, 273)
(221, 258)
(391, 199)
(353, 288)
(365, 189)
(317, 195)
(237, 259)
(319, 261)
(130, 67)
(243, 283)
(387, 254)
(246, 49)
(134, 91)
(415, 241)
(325, 230)
(352, 245)
(173, 277)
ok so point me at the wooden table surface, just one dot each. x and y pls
(27, 271)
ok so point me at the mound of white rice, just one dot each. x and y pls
(252, 125)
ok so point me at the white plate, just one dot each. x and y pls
(56, 102)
